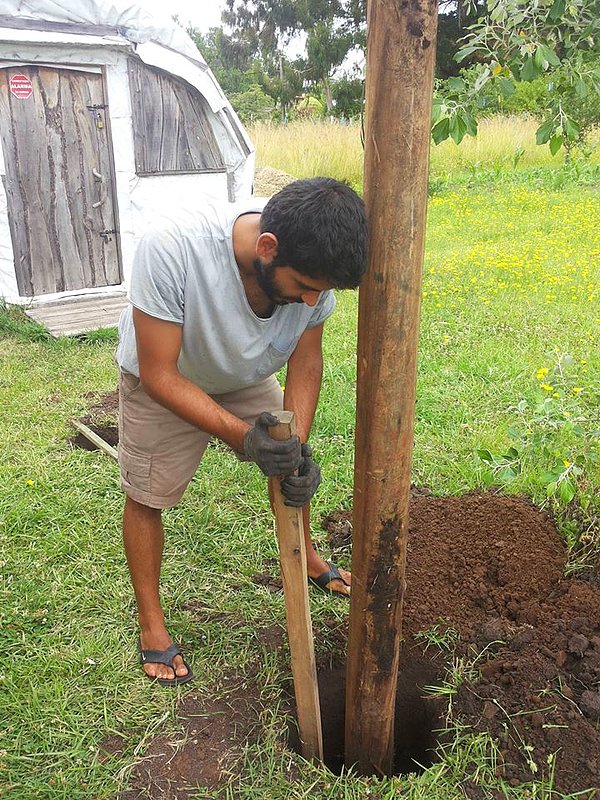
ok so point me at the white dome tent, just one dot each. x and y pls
(108, 116)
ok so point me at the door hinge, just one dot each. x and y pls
(107, 234)
(96, 107)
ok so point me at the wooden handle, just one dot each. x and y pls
(292, 557)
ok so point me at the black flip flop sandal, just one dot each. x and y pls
(165, 657)
(325, 578)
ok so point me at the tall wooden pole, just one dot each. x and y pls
(401, 36)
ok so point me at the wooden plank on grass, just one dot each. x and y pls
(74, 316)
(95, 439)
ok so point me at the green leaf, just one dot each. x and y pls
(557, 11)
(566, 491)
(466, 51)
(455, 84)
(470, 122)
(441, 130)
(551, 488)
(571, 129)
(497, 13)
(458, 128)
(549, 55)
(482, 79)
(544, 132)
(507, 87)
(487, 478)
(581, 89)
(512, 453)
(530, 70)
(507, 474)
(486, 456)
(436, 110)
(538, 57)
(556, 143)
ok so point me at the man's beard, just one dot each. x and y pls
(265, 276)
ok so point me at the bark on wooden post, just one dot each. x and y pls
(400, 63)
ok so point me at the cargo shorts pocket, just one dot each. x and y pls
(129, 384)
(135, 469)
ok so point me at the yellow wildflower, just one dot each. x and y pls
(546, 387)
(541, 373)
(30, 483)
(577, 389)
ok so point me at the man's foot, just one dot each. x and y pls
(319, 570)
(175, 670)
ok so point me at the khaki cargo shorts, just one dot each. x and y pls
(159, 452)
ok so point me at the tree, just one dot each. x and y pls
(521, 41)
(452, 19)
(280, 78)
(332, 27)
(267, 28)
(253, 104)
(326, 49)
(229, 58)
(348, 94)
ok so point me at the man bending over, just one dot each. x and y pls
(221, 299)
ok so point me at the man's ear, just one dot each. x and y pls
(266, 246)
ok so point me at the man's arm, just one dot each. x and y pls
(303, 380)
(158, 346)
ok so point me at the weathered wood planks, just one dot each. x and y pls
(73, 316)
(172, 132)
(58, 181)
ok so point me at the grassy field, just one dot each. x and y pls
(504, 151)
(508, 394)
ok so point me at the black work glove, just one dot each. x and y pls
(272, 457)
(298, 489)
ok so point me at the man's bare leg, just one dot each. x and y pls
(143, 538)
(315, 565)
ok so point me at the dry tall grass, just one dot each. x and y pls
(307, 148)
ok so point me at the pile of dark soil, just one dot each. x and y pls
(492, 568)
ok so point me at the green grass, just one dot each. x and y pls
(510, 287)
(504, 152)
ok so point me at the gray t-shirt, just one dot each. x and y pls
(185, 272)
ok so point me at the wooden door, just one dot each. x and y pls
(58, 160)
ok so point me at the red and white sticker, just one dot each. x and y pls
(21, 86)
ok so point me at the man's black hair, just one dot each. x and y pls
(321, 230)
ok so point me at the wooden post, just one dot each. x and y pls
(401, 36)
(292, 555)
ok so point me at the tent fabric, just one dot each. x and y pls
(154, 36)
(149, 23)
